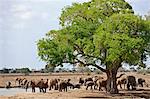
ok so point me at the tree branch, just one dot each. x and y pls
(80, 51)
(88, 64)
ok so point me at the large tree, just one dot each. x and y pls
(101, 33)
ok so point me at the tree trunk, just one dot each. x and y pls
(111, 86)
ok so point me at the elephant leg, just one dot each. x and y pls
(124, 86)
(120, 86)
(95, 87)
(45, 90)
(40, 89)
(60, 88)
(33, 89)
(91, 87)
(87, 87)
(50, 87)
(99, 88)
(142, 84)
(128, 86)
(54, 87)
(26, 89)
(132, 87)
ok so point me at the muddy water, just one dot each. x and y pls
(13, 91)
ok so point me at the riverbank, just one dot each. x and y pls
(72, 93)
(81, 94)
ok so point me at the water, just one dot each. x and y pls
(14, 91)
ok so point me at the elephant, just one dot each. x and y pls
(45, 85)
(131, 82)
(23, 83)
(19, 80)
(26, 86)
(40, 84)
(77, 86)
(8, 85)
(122, 81)
(53, 83)
(81, 81)
(101, 83)
(141, 81)
(95, 80)
(87, 79)
(69, 84)
(91, 84)
(62, 86)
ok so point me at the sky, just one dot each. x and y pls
(24, 22)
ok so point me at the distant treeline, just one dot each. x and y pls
(78, 69)
(50, 70)
(18, 70)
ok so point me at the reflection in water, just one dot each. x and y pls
(13, 91)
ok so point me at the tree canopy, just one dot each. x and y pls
(101, 33)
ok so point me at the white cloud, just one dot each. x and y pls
(59, 0)
(1, 20)
(19, 8)
(135, 1)
(24, 15)
(22, 12)
(44, 15)
(18, 25)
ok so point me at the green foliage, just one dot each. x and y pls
(95, 11)
(98, 30)
(23, 70)
(117, 35)
(143, 71)
(56, 48)
(50, 68)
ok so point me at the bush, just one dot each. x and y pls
(98, 72)
(142, 71)
(148, 71)
(23, 70)
(26, 74)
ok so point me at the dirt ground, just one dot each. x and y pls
(140, 93)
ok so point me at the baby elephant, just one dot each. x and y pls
(141, 81)
(8, 85)
(91, 84)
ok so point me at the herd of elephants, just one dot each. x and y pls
(96, 82)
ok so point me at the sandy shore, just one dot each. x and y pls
(81, 94)
(142, 92)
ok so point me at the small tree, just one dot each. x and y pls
(23, 70)
(100, 33)
(49, 68)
